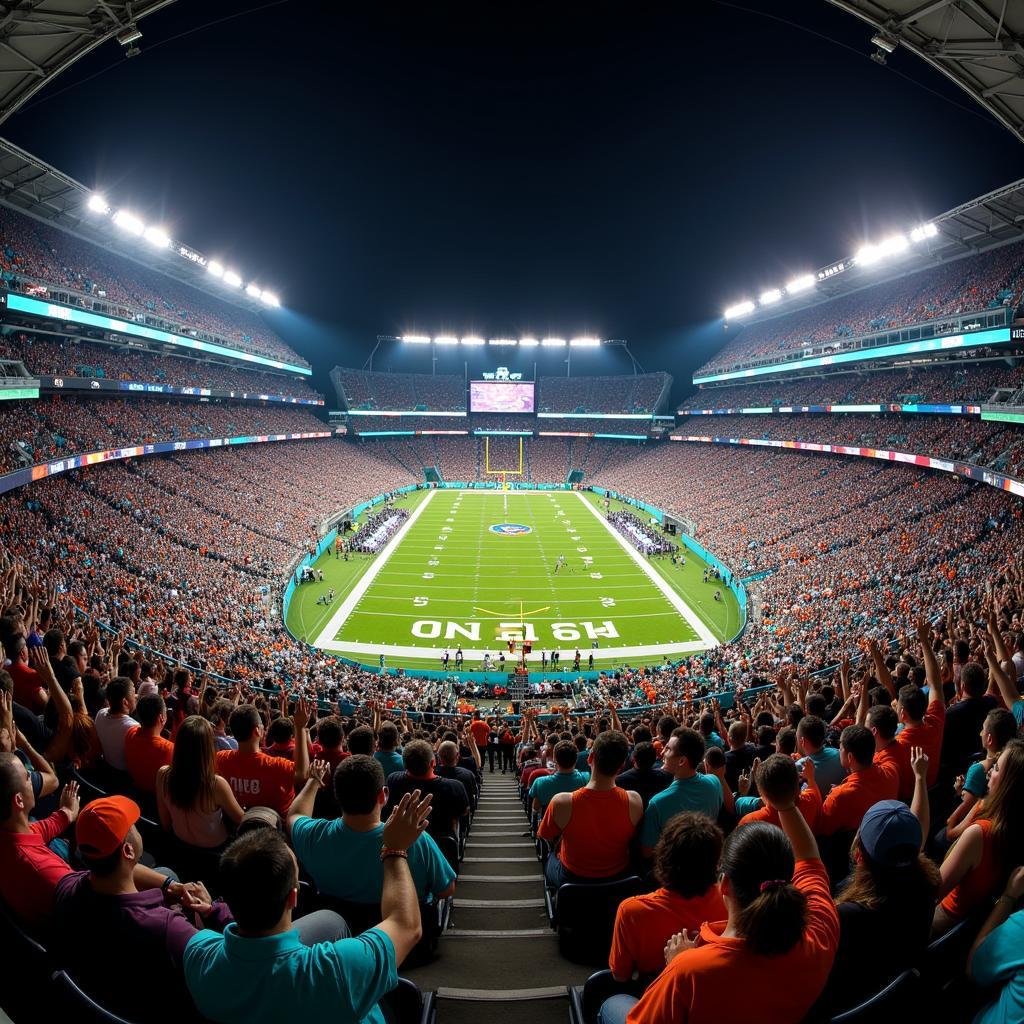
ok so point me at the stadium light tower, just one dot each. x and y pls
(98, 204)
(739, 309)
(127, 221)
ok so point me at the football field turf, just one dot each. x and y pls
(474, 568)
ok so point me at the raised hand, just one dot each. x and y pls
(69, 801)
(919, 762)
(319, 770)
(407, 821)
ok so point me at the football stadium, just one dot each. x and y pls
(503, 514)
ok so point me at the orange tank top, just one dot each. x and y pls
(980, 883)
(595, 843)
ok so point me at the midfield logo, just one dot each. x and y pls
(511, 529)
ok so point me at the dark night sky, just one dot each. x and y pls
(624, 170)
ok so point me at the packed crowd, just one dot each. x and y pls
(64, 358)
(640, 393)
(366, 389)
(946, 437)
(953, 383)
(972, 284)
(32, 253)
(813, 838)
(49, 428)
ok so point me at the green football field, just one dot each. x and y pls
(472, 569)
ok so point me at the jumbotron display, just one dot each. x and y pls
(500, 396)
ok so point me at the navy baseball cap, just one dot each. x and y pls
(890, 834)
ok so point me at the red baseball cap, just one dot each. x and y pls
(104, 824)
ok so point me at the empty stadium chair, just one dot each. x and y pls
(584, 916)
(585, 1000)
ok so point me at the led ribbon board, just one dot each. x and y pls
(55, 467)
(995, 336)
(964, 469)
(56, 311)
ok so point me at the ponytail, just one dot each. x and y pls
(758, 862)
(774, 923)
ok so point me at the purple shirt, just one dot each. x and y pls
(90, 928)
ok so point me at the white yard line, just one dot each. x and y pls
(337, 620)
(671, 595)
(601, 653)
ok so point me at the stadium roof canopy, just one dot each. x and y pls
(34, 187)
(978, 44)
(40, 38)
(991, 220)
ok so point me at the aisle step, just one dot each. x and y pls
(502, 994)
(501, 878)
(491, 933)
(517, 832)
(523, 844)
(470, 904)
(491, 917)
(499, 860)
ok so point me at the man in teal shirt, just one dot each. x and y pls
(997, 957)
(689, 791)
(259, 972)
(342, 855)
(389, 753)
(565, 780)
(810, 741)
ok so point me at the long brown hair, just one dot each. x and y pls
(874, 885)
(1002, 807)
(192, 775)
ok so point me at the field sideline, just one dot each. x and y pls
(477, 567)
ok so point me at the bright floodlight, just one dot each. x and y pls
(416, 339)
(446, 339)
(867, 254)
(893, 244)
(253, 291)
(553, 342)
(270, 299)
(923, 231)
(800, 284)
(158, 237)
(129, 222)
(585, 342)
(770, 296)
(528, 342)
(740, 309)
(231, 278)
(472, 339)
(215, 268)
(502, 341)
(98, 204)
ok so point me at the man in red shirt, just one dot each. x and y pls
(145, 750)
(29, 691)
(863, 787)
(778, 777)
(29, 869)
(256, 777)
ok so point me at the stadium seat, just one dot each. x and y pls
(79, 1007)
(585, 1000)
(900, 997)
(406, 1004)
(434, 919)
(28, 958)
(584, 916)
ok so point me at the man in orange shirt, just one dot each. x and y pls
(594, 825)
(923, 718)
(255, 777)
(776, 779)
(890, 755)
(480, 730)
(863, 787)
(145, 750)
(686, 864)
